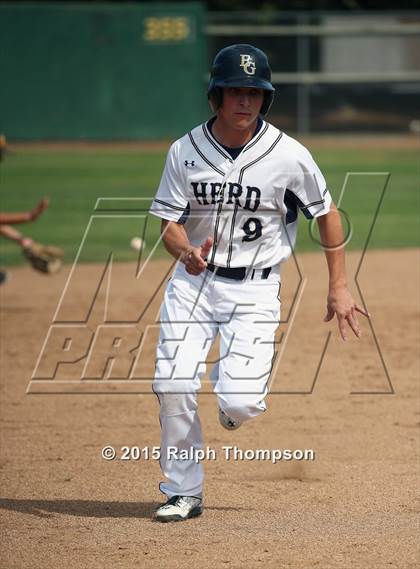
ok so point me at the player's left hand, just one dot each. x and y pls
(341, 303)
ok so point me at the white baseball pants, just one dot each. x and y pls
(195, 308)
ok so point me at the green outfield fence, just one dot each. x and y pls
(101, 71)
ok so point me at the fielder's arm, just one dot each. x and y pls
(177, 244)
(24, 216)
(340, 300)
(14, 235)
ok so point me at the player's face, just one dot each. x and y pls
(241, 106)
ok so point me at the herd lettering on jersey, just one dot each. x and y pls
(245, 197)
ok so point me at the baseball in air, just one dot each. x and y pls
(137, 243)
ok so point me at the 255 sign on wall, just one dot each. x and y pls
(168, 29)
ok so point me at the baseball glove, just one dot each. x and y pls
(44, 258)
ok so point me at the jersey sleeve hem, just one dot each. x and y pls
(164, 212)
(319, 207)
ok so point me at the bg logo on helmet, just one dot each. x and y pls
(248, 64)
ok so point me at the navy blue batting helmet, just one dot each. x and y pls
(240, 65)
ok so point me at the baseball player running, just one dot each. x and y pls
(229, 199)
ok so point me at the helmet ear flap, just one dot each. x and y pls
(215, 97)
(267, 102)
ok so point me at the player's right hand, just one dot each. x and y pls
(195, 259)
(38, 209)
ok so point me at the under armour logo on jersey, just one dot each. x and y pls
(189, 164)
(248, 64)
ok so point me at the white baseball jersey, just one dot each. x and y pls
(248, 205)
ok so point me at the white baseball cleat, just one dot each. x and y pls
(179, 508)
(227, 422)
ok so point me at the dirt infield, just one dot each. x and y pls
(354, 506)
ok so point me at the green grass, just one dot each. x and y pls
(75, 179)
